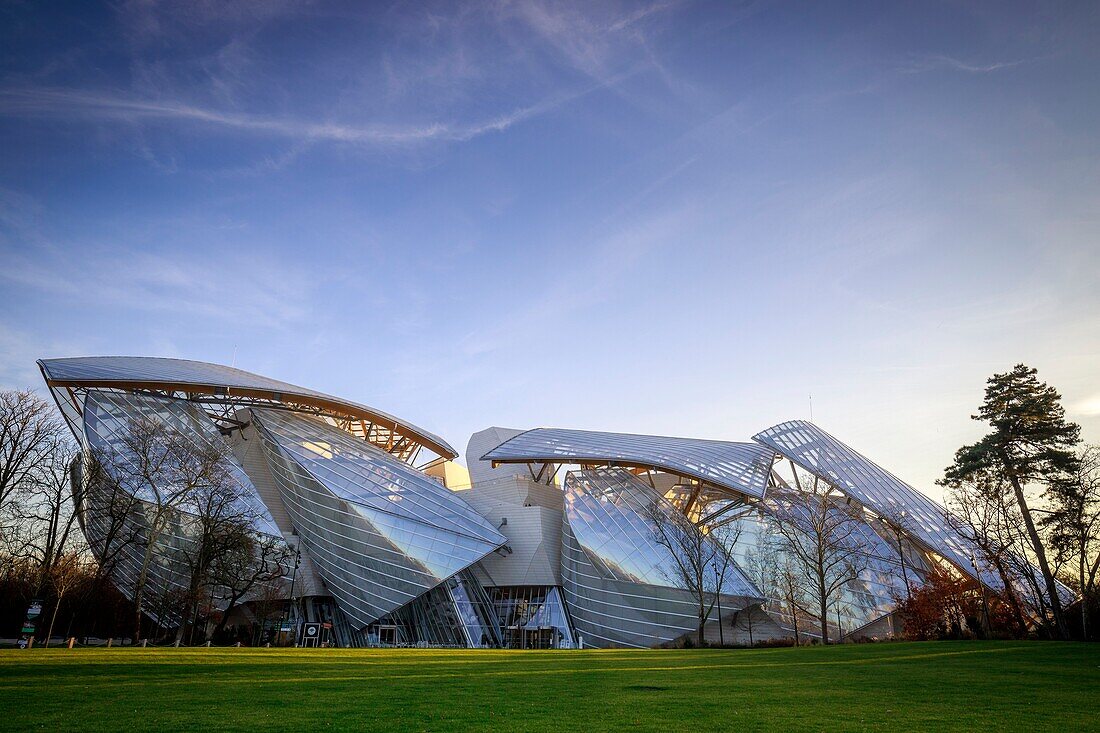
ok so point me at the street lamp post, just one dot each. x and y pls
(293, 578)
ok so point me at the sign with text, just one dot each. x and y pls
(34, 610)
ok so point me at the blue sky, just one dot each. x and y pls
(672, 217)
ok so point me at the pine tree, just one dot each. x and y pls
(1031, 443)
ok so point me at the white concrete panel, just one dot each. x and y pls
(481, 443)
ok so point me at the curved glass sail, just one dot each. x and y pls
(824, 456)
(742, 468)
(118, 515)
(814, 450)
(622, 584)
(380, 532)
(108, 417)
(211, 381)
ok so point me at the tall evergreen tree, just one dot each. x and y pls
(1031, 443)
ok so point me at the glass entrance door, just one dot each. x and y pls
(387, 635)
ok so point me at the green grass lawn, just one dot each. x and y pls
(964, 686)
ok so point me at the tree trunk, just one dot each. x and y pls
(1041, 556)
(225, 617)
(1084, 596)
(1013, 601)
(704, 612)
(194, 618)
(139, 593)
(823, 606)
(53, 618)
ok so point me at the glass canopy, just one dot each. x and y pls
(742, 468)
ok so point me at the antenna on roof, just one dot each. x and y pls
(234, 362)
(811, 408)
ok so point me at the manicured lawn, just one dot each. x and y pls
(964, 686)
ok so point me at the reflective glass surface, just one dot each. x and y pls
(101, 370)
(532, 617)
(380, 532)
(109, 415)
(740, 467)
(876, 488)
(760, 552)
(620, 583)
(121, 537)
(609, 511)
(119, 540)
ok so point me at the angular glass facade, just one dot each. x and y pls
(622, 585)
(392, 556)
(380, 532)
(741, 468)
(118, 531)
(924, 521)
(532, 617)
(456, 613)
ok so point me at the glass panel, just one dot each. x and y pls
(380, 532)
(739, 467)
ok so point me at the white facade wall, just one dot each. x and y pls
(533, 529)
(481, 443)
(246, 447)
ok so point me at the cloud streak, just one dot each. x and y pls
(61, 102)
(940, 61)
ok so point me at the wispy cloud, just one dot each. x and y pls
(590, 42)
(20, 349)
(1089, 407)
(619, 250)
(70, 103)
(145, 281)
(641, 13)
(940, 61)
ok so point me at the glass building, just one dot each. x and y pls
(552, 538)
(342, 484)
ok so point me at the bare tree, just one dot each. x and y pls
(217, 516)
(166, 469)
(792, 591)
(897, 525)
(45, 507)
(249, 563)
(701, 562)
(64, 573)
(116, 516)
(823, 536)
(761, 564)
(983, 511)
(1074, 525)
(30, 430)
